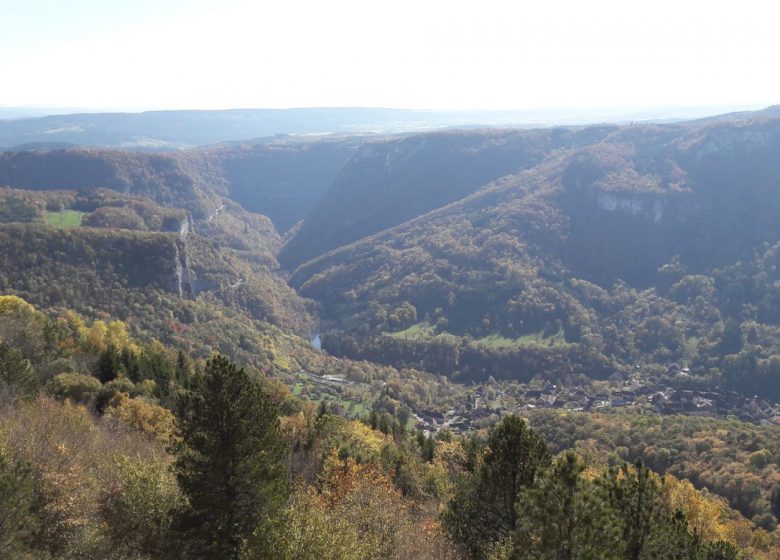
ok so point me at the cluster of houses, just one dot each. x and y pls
(488, 403)
(479, 411)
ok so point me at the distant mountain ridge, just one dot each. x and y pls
(169, 130)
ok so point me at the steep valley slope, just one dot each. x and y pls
(650, 246)
(554, 252)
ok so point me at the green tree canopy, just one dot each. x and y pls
(565, 516)
(230, 464)
(482, 514)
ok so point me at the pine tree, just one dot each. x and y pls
(482, 514)
(429, 449)
(108, 364)
(650, 530)
(774, 501)
(566, 517)
(183, 369)
(670, 540)
(636, 493)
(16, 373)
(230, 464)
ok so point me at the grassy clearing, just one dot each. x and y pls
(316, 394)
(497, 341)
(65, 218)
(419, 331)
(536, 339)
(357, 410)
(425, 332)
(691, 349)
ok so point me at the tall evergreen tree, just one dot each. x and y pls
(16, 373)
(774, 501)
(429, 449)
(564, 516)
(230, 464)
(108, 364)
(482, 514)
(636, 493)
(183, 369)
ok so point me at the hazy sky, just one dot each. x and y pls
(432, 54)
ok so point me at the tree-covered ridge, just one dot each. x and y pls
(99, 208)
(170, 179)
(389, 182)
(546, 271)
(651, 247)
(279, 178)
(282, 178)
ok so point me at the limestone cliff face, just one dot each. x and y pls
(635, 205)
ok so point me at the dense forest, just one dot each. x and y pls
(486, 344)
(113, 448)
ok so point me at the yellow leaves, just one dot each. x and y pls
(101, 335)
(16, 306)
(364, 436)
(760, 459)
(363, 499)
(281, 360)
(591, 472)
(75, 470)
(702, 513)
(621, 475)
(351, 438)
(75, 322)
(21, 325)
(295, 427)
(57, 440)
(142, 416)
(308, 530)
(452, 454)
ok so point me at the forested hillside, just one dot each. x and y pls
(112, 448)
(554, 252)
(389, 182)
(650, 247)
(202, 285)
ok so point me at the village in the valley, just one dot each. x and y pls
(486, 403)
